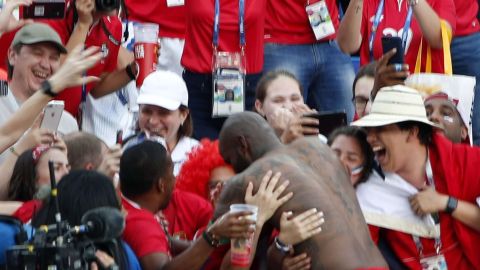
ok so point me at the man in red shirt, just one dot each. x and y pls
(147, 181)
(432, 181)
(465, 49)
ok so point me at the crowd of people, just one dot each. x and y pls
(253, 104)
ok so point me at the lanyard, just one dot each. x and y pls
(416, 239)
(241, 23)
(376, 22)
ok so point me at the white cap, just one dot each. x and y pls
(164, 89)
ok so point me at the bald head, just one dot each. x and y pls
(244, 138)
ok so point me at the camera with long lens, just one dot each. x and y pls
(61, 246)
(107, 5)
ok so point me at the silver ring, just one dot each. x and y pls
(398, 67)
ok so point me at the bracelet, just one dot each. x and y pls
(47, 89)
(451, 205)
(412, 2)
(130, 72)
(282, 247)
(13, 151)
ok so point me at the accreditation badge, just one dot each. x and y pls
(436, 262)
(320, 19)
(228, 79)
(175, 3)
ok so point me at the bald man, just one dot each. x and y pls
(317, 180)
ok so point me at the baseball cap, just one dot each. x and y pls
(164, 89)
(37, 33)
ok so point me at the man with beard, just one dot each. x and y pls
(317, 180)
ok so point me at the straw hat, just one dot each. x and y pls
(395, 104)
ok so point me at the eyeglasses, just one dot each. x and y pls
(360, 103)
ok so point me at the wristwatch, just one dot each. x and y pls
(211, 238)
(282, 247)
(47, 89)
(451, 205)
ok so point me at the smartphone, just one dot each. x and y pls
(388, 43)
(45, 9)
(328, 121)
(52, 115)
(119, 139)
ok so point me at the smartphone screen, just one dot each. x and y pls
(329, 121)
(388, 43)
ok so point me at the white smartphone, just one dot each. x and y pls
(52, 114)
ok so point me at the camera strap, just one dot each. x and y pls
(109, 34)
(376, 22)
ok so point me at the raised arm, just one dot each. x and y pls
(429, 22)
(69, 74)
(349, 35)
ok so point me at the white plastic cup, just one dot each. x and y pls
(145, 49)
(241, 248)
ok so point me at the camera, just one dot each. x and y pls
(107, 5)
(61, 246)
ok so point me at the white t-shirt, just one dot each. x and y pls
(180, 152)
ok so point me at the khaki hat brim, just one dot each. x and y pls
(378, 120)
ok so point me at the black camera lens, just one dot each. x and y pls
(107, 5)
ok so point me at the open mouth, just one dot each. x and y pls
(380, 152)
(40, 75)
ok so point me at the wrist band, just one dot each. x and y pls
(451, 205)
(284, 248)
(47, 89)
(130, 72)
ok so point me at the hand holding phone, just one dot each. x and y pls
(52, 115)
(329, 121)
(388, 43)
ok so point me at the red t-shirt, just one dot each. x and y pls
(467, 22)
(287, 21)
(186, 214)
(143, 232)
(170, 19)
(392, 25)
(198, 50)
(96, 37)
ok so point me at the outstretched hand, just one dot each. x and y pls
(300, 228)
(71, 72)
(267, 198)
(7, 21)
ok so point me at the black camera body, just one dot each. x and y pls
(107, 5)
(44, 252)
